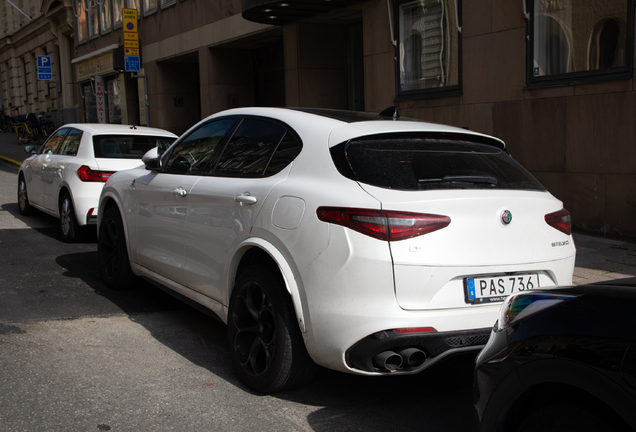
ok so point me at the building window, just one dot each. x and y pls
(90, 103)
(428, 48)
(114, 100)
(574, 41)
(118, 5)
(150, 6)
(134, 4)
(166, 3)
(93, 13)
(81, 13)
(106, 16)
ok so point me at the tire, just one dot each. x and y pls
(267, 347)
(112, 253)
(566, 418)
(23, 198)
(72, 232)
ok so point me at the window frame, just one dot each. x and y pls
(149, 11)
(61, 133)
(223, 142)
(287, 130)
(167, 3)
(582, 77)
(434, 92)
(120, 23)
(63, 148)
(94, 32)
(82, 39)
(103, 11)
(167, 155)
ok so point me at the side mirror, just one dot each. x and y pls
(31, 149)
(151, 160)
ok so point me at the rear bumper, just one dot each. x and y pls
(430, 347)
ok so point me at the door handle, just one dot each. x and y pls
(179, 192)
(246, 198)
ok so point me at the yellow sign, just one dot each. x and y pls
(131, 51)
(131, 36)
(131, 44)
(129, 20)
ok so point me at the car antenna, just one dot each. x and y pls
(133, 127)
(390, 112)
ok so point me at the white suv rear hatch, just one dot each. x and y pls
(497, 242)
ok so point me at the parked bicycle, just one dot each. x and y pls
(26, 127)
(5, 122)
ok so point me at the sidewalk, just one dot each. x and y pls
(597, 258)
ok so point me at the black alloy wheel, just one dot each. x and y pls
(71, 230)
(23, 198)
(112, 253)
(267, 347)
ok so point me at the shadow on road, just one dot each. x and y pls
(346, 402)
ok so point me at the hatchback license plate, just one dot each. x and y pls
(497, 288)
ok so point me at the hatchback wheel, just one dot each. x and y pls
(267, 347)
(23, 198)
(112, 252)
(72, 232)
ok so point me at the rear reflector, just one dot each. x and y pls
(560, 220)
(88, 175)
(415, 330)
(382, 224)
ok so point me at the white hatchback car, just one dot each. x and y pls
(360, 242)
(66, 174)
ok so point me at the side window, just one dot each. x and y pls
(250, 149)
(54, 142)
(71, 143)
(197, 152)
(286, 152)
(571, 42)
(428, 47)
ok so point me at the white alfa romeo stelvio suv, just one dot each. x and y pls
(365, 243)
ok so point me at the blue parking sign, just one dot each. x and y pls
(132, 63)
(44, 61)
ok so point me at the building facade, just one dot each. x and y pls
(32, 28)
(552, 78)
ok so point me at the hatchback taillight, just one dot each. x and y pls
(560, 220)
(383, 224)
(88, 175)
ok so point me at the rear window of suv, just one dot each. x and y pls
(415, 162)
(128, 146)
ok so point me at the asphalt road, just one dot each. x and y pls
(77, 356)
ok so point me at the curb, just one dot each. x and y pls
(10, 161)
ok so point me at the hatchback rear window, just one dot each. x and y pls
(128, 146)
(421, 162)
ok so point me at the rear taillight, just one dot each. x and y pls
(88, 175)
(560, 220)
(382, 224)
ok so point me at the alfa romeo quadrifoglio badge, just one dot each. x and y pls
(506, 217)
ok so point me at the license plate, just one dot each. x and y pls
(496, 288)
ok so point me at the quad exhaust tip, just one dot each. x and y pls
(391, 361)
